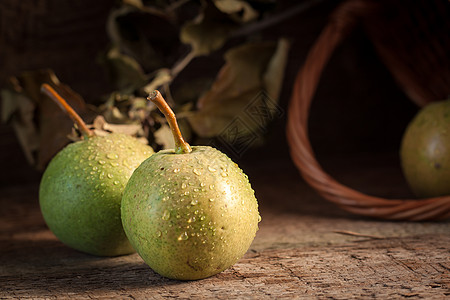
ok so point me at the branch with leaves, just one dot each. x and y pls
(153, 46)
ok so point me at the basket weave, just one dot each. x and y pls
(414, 46)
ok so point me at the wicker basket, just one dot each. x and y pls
(413, 42)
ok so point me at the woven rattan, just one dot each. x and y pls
(412, 39)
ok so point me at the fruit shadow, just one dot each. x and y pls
(39, 267)
(280, 189)
(287, 193)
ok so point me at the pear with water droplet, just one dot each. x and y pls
(190, 213)
(81, 189)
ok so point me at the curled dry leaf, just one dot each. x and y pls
(252, 73)
(103, 128)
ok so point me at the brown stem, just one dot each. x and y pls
(52, 94)
(181, 146)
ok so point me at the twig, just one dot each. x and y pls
(175, 5)
(270, 21)
(181, 64)
(246, 30)
(351, 233)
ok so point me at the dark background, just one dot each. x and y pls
(358, 109)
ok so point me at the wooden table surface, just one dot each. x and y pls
(300, 251)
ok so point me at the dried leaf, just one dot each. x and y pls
(102, 128)
(115, 108)
(55, 124)
(124, 70)
(125, 109)
(100, 124)
(239, 10)
(18, 110)
(273, 77)
(132, 29)
(36, 119)
(140, 109)
(192, 90)
(249, 81)
(163, 136)
(208, 32)
(137, 3)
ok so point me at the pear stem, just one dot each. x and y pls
(52, 94)
(181, 146)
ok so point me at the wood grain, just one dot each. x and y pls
(297, 253)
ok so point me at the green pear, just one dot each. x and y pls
(81, 191)
(190, 213)
(425, 151)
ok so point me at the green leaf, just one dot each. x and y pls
(208, 32)
(251, 70)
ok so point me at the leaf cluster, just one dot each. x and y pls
(190, 50)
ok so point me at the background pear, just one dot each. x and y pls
(189, 212)
(81, 190)
(425, 151)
